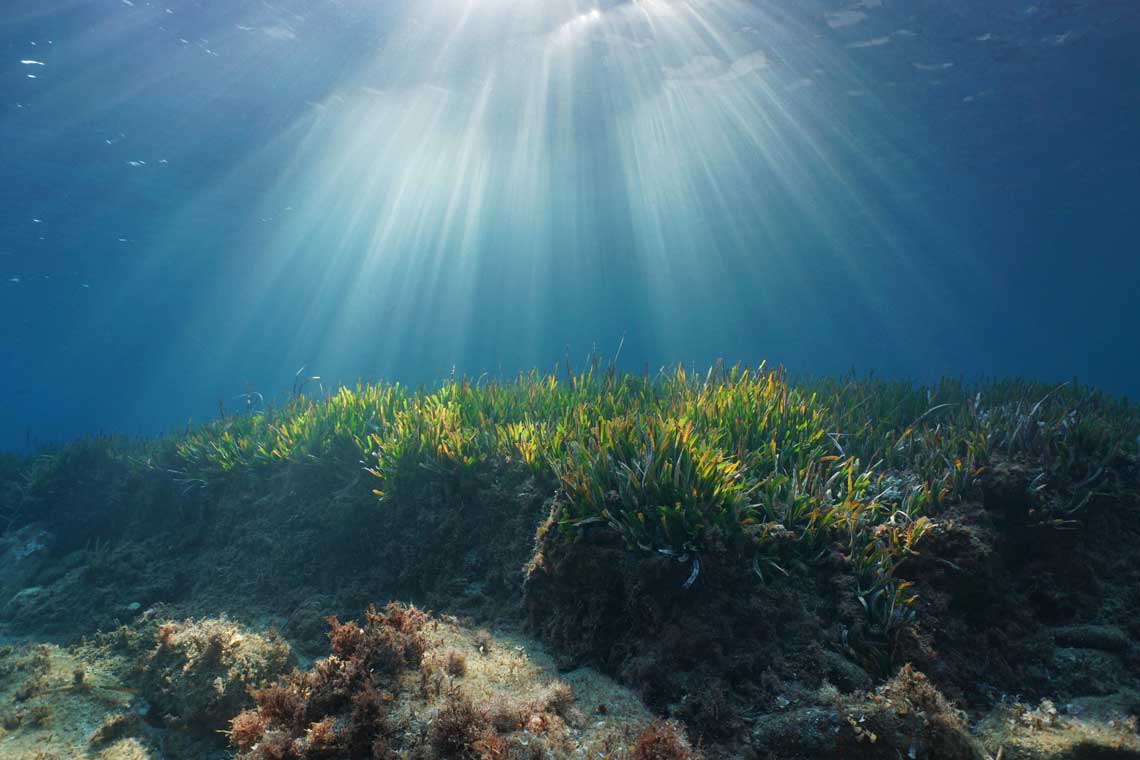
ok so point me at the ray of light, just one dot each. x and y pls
(478, 178)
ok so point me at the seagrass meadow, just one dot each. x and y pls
(730, 563)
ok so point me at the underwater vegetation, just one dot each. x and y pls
(737, 462)
(776, 567)
(199, 673)
(356, 703)
(389, 688)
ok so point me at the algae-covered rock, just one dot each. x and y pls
(23, 557)
(906, 717)
(845, 674)
(1020, 731)
(390, 689)
(1088, 672)
(200, 672)
(1107, 638)
(803, 733)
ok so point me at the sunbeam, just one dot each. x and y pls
(485, 166)
(403, 189)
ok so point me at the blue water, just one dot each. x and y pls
(201, 197)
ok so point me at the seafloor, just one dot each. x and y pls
(592, 567)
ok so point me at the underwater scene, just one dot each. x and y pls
(569, 379)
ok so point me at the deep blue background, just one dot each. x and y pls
(984, 222)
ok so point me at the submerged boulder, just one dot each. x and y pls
(200, 672)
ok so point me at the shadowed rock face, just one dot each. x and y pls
(997, 610)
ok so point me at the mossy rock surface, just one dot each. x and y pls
(1107, 638)
(199, 673)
